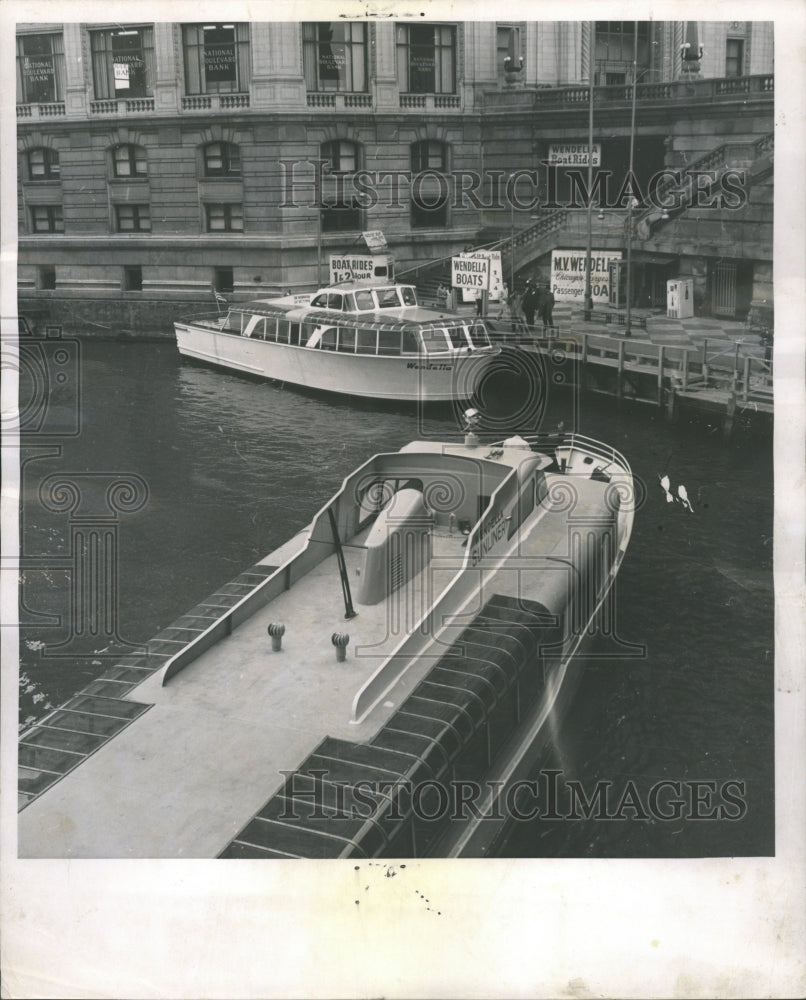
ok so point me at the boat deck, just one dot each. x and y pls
(181, 780)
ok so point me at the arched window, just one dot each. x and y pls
(341, 208)
(221, 159)
(129, 160)
(430, 191)
(43, 164)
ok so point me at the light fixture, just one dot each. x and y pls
(664, 215)
(601, 214)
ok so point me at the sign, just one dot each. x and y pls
(374, 239)
(219, 55)
(568, 275)
(357, 267)
(477, 271)
(574, 154)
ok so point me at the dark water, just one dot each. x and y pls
(233, 467)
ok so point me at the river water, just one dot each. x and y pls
(232, 467)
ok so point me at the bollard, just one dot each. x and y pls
(340, 640)
(276, 632)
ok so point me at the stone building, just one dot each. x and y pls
(159, 161)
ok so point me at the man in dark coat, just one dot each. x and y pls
(529, 302)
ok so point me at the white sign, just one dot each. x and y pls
(352, 267)
(121, 71)
(574, 154)
(477, 271)
(375, 239)
(568, 275)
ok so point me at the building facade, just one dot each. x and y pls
(157, 161)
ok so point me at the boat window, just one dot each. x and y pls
(295, 334)
(457, 336)
(233, 322)
(434, 340)
(271, 328)
(283, 327)
(320, 301)
(387, 298)
(364, 300)
(328, 341)
(349, 303)
(335, 300)
(478, 334)
(308, 331)
(409, 298)
(410, 345)
(254, 327)
(347, 339)
(388, 342)
(367, 342)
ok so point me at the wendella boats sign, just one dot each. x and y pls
(568, 275)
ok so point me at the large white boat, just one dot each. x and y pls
(417, 636)
(358, 339)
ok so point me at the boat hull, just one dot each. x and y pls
(404, 378)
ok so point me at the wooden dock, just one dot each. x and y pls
(675, 378)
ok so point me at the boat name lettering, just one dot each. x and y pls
(492, 534)
(429, 366)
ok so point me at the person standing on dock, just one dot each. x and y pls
(529, 302)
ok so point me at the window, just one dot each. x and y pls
(221, 159)
(47, 219)
(43, 164)
(133, 218)
(40, 69)
(122, 62)
(429, 155)
(426, 58)
(508, 46)
(216, 58)
(429, 200)
(132, 278)
(129, 161)
(46, 277)
(734, 57)
(335, 56)
(224, 218)
(614, 50)
(341, 212)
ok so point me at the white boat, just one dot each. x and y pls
(418, 634)
(357, 339)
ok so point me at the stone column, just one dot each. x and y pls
(76, 87)
(276, 53)
(168, 75)
(385, 82)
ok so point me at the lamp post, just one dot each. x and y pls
(627, 330)
(588, 237)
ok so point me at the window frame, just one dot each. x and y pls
(511, 50)
(356, 79)
(736, 59)
(227, 215)
(341, 218)
(102, 59)
(230, 161)
(404, 51)
(132, 159)
(130, 272)
(197, 80)
(421, 157)
(54, 216)
(139, 217)
(50, 160)
(57, 72)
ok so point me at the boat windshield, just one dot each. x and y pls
(387, 298)
(434, 340)
(364, 300)
(409, 298)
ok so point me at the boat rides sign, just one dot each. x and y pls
(568, 275)
(359, 267)
(475, 272)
